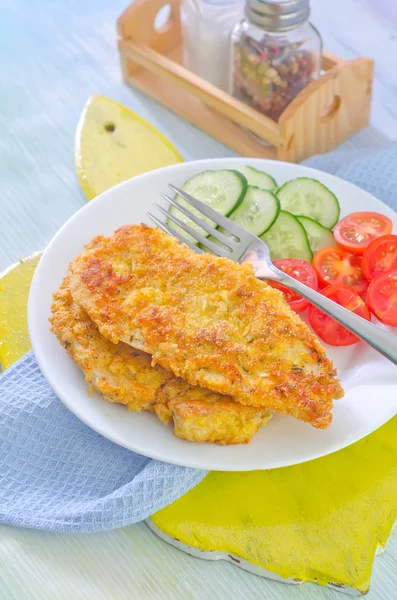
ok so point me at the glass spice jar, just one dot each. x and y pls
(275, 53)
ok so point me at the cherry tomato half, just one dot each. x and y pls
(329, 330)
(380, 257)
(335, 266)
(382, 298)
(300, 270)
(355, 232)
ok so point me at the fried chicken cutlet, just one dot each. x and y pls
(207, 319)
(125, 375)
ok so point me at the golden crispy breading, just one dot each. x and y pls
(207, 319)
(121, 373)
(125, 375)
(201, 415)
(221, 423)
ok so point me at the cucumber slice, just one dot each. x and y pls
(258, 210)
(318, 236)
(221, 190)
(309, 198)
(257, 178)
(257, 213)
(287, 239)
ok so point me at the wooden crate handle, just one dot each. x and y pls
(330, 60)
(137, 23)
(328, 111)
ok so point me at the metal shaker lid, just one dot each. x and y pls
(277, 15)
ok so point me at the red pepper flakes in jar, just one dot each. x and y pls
(276, 52)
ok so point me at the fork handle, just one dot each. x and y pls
(383, 341)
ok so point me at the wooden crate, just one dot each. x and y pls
(327, 112)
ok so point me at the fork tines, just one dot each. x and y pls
(220, 244)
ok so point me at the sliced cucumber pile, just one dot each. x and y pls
(318, 236)
(257, 178)
(221, 190)
(309, 198)
(287, 239)
(303, 226)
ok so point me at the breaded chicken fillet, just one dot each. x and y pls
(125, 375)
(207, 319)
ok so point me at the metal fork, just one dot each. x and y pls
(246, 247)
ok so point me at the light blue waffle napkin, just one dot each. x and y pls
(57, 474)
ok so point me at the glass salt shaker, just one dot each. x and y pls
(206, 28)
(275, 53)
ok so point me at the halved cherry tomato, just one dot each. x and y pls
(334, 266)
(382, 298)
(300, 270)
(355, 232)
(329, 330)
(380, 257)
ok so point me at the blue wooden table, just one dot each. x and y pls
(53, 55)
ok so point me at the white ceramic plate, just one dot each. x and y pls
(369, 380)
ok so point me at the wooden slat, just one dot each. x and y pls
(196, 112)
(174, 75)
